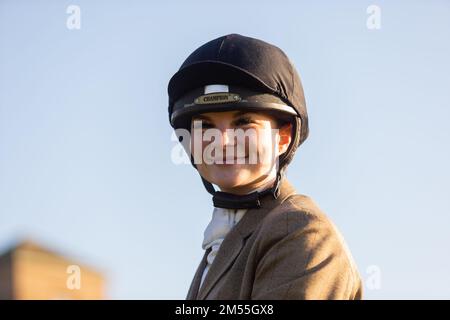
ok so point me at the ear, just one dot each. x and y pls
(285, 138)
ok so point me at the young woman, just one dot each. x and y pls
(242, 103)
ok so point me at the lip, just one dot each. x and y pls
(232, 160)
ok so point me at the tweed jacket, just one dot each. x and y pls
(286, 249)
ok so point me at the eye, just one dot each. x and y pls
(206, 125)
(243, 121)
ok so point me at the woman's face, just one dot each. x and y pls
(238, 161)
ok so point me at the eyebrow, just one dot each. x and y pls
(241, 113)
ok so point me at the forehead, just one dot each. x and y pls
(230, 115)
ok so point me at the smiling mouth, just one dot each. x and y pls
(229, 161)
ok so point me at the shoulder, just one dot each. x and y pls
(300, 219)
(298, 211)
(298, 246)
(301, 228)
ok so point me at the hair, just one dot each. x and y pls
(282, 122)
(281, 119)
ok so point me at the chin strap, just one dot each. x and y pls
(247, 201)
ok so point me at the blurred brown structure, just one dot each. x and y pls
(29, 271)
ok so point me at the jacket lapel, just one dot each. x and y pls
(234, 241)
(193, 290)
(228, 252)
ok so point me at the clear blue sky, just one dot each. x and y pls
(85, 142)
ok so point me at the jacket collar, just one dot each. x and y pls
(234, 242)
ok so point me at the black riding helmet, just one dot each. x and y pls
(235, 72)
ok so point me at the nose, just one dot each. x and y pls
(228, 142)
(227, 137)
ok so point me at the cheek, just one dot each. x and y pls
(197, 144)
(265, 145)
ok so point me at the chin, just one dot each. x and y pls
(228, 176)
